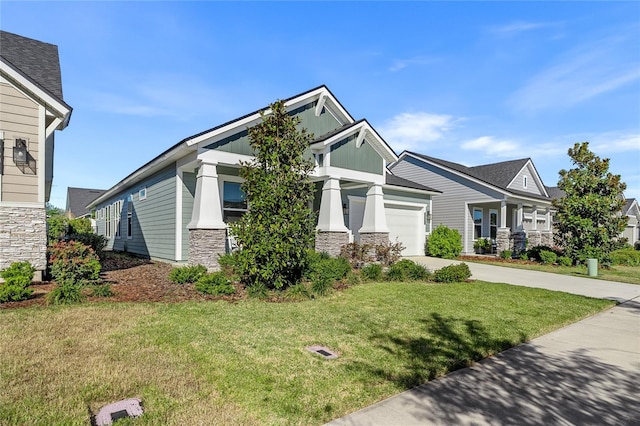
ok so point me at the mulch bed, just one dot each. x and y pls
(132, 280)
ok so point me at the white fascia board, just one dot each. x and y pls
(35, 92)
(253, 119)
(155, 165)
(350, 175)
(222, 157)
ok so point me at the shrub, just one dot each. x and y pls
(452, 273)
(187, 274)
(565, 261)
(353, 278)
(628, 257)
(356, 254)
(407, 270)
(534, 253)
(95, 241)
(65, 293)
(72, 261)
(324, 271)
(79, 226)
(524, 256)
(388, 253)
(372, 272)
(227, 264)
(17, 279)
(444, 242)
(548, 256)
(216, 284)
(299, 291)
(506, 254)
(102, 290)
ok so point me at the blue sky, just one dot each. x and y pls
(473, 83)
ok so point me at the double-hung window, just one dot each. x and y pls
(129, 219)
(493, 223)
(234, 202)
(477, 223)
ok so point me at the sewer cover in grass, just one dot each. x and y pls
(108, 414)
(323, 352)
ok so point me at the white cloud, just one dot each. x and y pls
(492, 147)
(400, 64)
(518, 27)
(411, 131)
(606, 143)
(579, 75)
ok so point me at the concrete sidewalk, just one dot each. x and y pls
(585, 374)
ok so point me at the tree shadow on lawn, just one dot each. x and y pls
(522, 386)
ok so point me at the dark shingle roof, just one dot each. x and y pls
(36, 60)
(627, 206)
(405, 183)
(554, 192)
(79, 198)
(496, 174)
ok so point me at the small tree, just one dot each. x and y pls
(589, 219)
(276, 232)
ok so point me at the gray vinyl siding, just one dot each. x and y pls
(153, 219)
(188, 195)
(347, 155)
(532, 184)
(239, 143)
(408, 197)
(449, 207)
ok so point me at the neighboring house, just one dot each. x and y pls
(77, 201)
(31, 110)
(506, 202)
(632, 211)
(177, 206)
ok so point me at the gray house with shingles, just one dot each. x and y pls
(506, 202)
(78, 199)
(32, 108)
(631, 210)
(177, 207)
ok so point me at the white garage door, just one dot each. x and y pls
(407, 225)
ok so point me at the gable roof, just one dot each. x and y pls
(79, 198)
(629, 204)
(35, 60)
(498, 175)
(394, 180)
(554, 192)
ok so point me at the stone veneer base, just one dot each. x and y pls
(206, 245)
(331, 242)
(23, 237)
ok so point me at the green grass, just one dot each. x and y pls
(246, 363)
(618, 273)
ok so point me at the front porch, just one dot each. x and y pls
(511, 224)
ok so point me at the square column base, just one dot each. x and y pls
(331, 242)
(206, 245)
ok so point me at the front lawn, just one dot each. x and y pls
(246, 363)
(618, 273)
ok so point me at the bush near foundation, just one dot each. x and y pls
(627, 257)
(406, 270)
(187, 274)
(215, 284)
(444, 242)
(452, 273)
(73, 262)
(17, 279)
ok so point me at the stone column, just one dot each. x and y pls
(332, 233)
(503, 242)
(207, 231)
(23, 237)
(374, 229)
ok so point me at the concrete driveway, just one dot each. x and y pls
(585, 374)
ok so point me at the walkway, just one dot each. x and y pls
(585, 374)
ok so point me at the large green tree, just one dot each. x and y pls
(588, 217)
(275, 234)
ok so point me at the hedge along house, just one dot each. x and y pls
(31, 110)
(177, 206)
(506, 202)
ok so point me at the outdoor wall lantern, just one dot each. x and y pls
(345, 209)
(20, 152)
(25, 162)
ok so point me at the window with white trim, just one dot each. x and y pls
(129, 220)
(117, 211)
(493, 223)
(234, 202)
(142, 194)
(477, 223)
(107, 222)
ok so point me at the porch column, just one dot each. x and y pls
(546, 237)
(548, 218)
(534, 218)
(207, 231)
(503, 234)
(519, 218)
(332, 233)
(374, 229)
